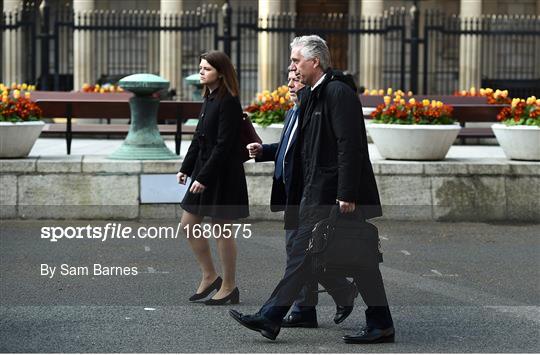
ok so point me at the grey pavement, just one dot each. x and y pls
(83, 146)
(452, 287)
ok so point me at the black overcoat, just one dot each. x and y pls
(280, 190)
(333, 154)
(213, 160)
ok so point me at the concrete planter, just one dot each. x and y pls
(518, 142)
(413, 142)
(269, 134)
(17, 139)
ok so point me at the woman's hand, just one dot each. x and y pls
(197, 187)
(181, 178)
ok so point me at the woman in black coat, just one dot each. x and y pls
(218, 182)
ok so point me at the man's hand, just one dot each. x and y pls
(254, 149)
(346, 207)
(197, 187)
(181, 178)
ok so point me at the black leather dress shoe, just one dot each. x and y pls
(371, 336)
(297, 320)
(342, 312)
(257, 323)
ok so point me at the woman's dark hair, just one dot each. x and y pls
(227, 75)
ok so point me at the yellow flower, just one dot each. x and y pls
(409, 93)
(537, 102)
(276, 98)
(463, 92)
(13, 85)
(373, 92)
(497, 93)
(366, 92)
(425, 102)
(381, 92)
(439, 104)
(482, 92)
(27, 95)
(4, 98)
(102, 90)
(398, 97)
(281, 100)
(433, 103)
(504, 93)
(389, 91)
(259, 97)
(287, 96)
(400, 93)
(387, 100)
(266, 92)
(515, 102)
(489, 91)
(473, 90)
(402, 102)
(412, 101)
(24, 86)
(16, 94)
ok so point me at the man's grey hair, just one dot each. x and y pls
(313, 46)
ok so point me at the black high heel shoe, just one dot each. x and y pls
(216, 285)
(234, 297)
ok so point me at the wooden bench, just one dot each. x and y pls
(109, 129)
(466, 109)
(80, 109)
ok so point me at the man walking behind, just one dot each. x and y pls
(303, 313)
(334, 167)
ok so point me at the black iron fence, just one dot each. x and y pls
(342, 33)
(421, 53)
(507, 51)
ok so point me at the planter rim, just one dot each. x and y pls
(26, 123)
(518, 127)
(273, 125)
(415, 126)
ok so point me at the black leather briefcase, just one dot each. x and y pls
(343, 246)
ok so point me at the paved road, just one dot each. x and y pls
(453, 287)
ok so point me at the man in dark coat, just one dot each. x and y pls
(335, 168)
(303, 313)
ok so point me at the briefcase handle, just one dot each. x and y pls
(334, 214)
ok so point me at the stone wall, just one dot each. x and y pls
(92, 187)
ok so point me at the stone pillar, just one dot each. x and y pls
(170, 52)
(371, 49)
(271, 48)
(84, 58)
(537, 67)
(470, 46)
(12, 70)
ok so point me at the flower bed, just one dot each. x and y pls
(497, 97)
(270, 107)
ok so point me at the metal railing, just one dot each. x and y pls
(124, 42)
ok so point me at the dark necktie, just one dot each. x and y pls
(278, 170)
